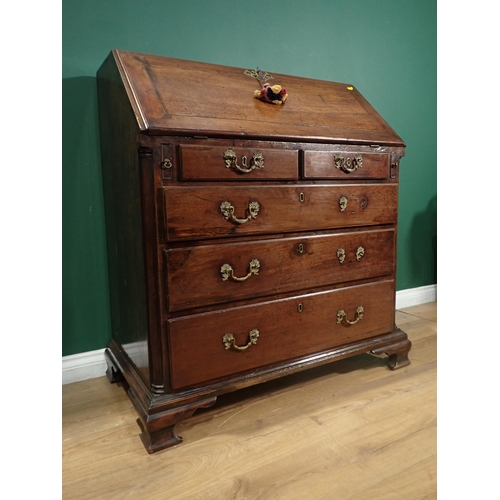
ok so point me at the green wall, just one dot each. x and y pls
(386, 48)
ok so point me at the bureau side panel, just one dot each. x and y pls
(119, 158)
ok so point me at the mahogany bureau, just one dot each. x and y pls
(247, 240)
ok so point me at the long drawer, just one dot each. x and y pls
(208, 212)
(209, 346)
(211, 274)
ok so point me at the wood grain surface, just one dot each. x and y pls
(285, 264)
(161, 91)
(194, 212)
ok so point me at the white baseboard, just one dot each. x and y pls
(83, 366)
(86, 365)
(416, 296)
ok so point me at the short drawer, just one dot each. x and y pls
(346, 165)
(212, 274)
(237, 164)
(209, 212)
(209, 346)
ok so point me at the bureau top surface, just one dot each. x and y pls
(174, 96)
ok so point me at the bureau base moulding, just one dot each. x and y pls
(159, 415)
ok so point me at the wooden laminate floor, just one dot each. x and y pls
(351, 430)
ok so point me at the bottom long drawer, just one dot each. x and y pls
(208, 346)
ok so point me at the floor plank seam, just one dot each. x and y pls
(402, 311)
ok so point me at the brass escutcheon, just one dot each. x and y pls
(342, 203)
(341, 255)
(301, 248)
(342, 316)
(360, 251)
(227, 271)
(231, 161)
(227, 211)
(228, 340)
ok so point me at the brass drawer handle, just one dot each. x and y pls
(342, 203)
(227, 271)
(348, 165)
(228, 340)
(360, 252)
(231, 161)
(342, 316)
(228, 211)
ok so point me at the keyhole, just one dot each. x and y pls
(301, 248)
(244, 161)
(300, 308)
(301, 197)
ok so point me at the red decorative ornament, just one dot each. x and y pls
(273, 94)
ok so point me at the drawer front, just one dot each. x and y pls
(238, 164)
(346, 165)
(205, 212)
(212, 274)
(200, 351)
